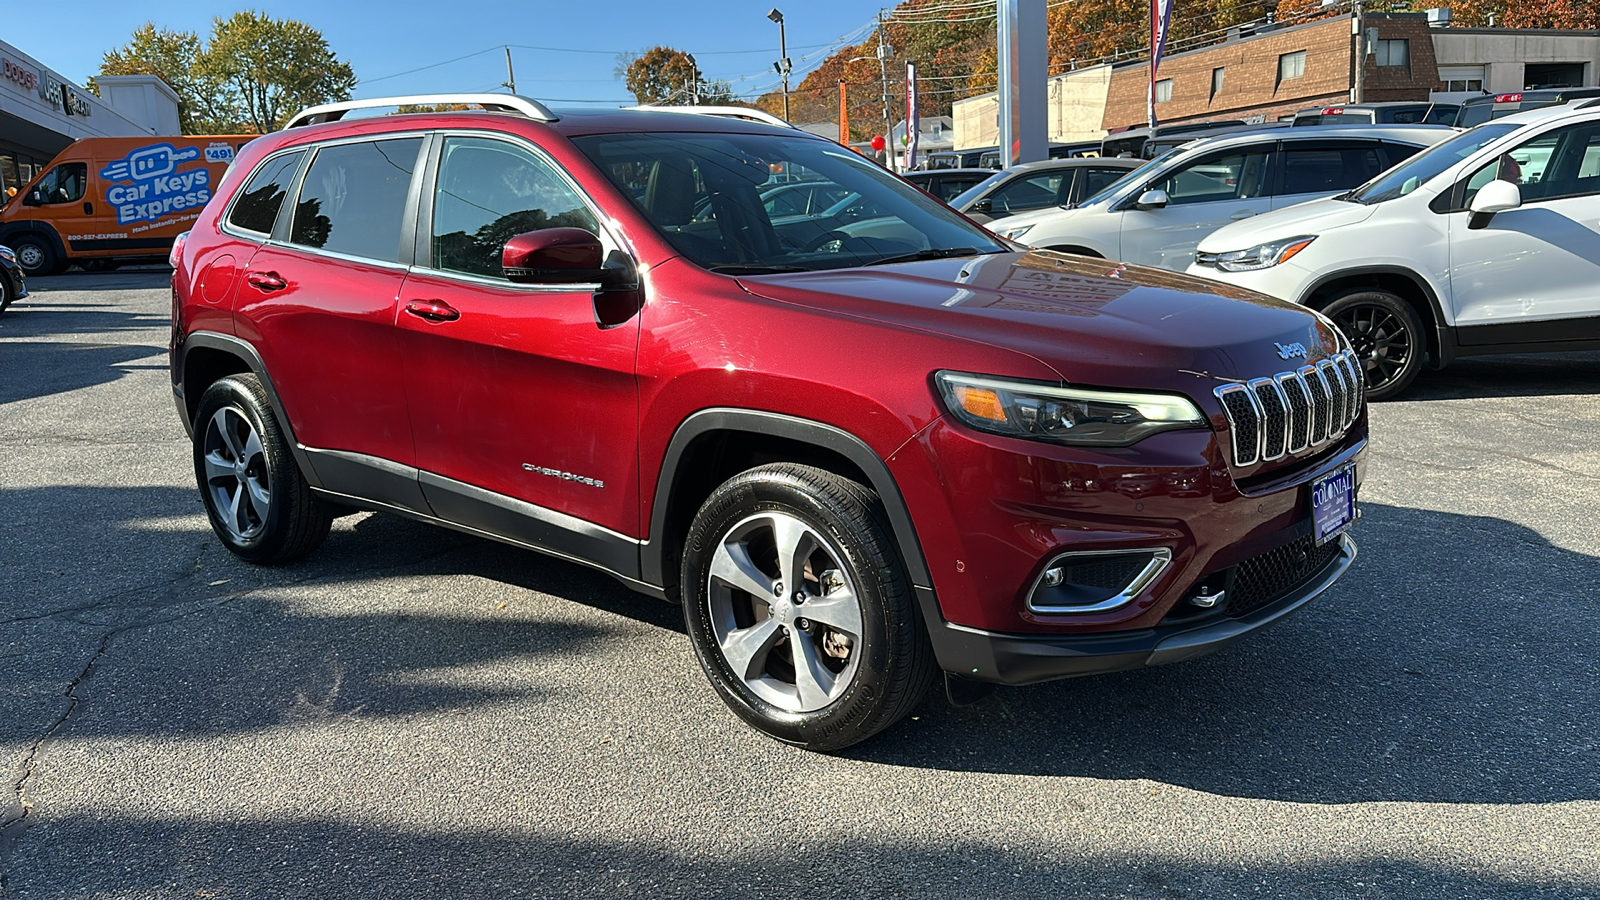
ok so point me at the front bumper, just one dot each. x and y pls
(1001, 658)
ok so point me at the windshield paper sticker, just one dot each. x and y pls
(158, 187)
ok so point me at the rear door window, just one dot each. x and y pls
(257, 207)
(353, 197)
(1318, 168)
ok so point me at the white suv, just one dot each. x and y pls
(1156, 214)
(1486, 243)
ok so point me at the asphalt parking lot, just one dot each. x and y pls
(412, 712)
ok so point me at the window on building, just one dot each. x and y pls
(1216, 82)
(1394, 53)
(1164, 90)
(1291, 65)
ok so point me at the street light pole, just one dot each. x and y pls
(782, 65)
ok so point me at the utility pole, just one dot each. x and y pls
(511, 78)
(883, 82)
(1358, 81)
(782, 65)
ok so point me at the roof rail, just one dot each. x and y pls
(726, 112)
(333, 112)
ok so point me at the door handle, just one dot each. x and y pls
(88, 208)
(433, 310)
(267, 281)
(1242, 214)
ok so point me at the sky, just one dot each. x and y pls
(413, 47)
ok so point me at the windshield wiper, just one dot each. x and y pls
(741, 269)
(931, 253)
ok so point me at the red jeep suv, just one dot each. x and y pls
(860, 446)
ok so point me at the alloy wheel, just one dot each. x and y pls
(1380, 338)
(785, 612)
(237, 483)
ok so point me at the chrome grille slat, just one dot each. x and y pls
(1293, 412)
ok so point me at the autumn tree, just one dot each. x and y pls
(664, 76)
(203, 106)
(250, 76)
(274, 67)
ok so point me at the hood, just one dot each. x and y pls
(1096, 322)
(1314, 217)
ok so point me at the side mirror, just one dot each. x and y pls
(982, 206)
(1495, 197)
(557, 256)
(1156, 199)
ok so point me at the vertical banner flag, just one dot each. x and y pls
(1160, 19)
(913, 123)
(844, 115)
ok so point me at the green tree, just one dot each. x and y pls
(203, 105)
(662, 75)
(274, 67)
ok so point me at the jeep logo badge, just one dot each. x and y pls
(1291, 351)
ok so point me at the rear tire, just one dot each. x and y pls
(799, 608)
(35, 255)
(259, 504)
(1386, 334)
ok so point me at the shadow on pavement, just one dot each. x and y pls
(31, 369)
(129, 856)
(1530, 375)
(1431, 673)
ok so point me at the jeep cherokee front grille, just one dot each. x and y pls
(1291, 412)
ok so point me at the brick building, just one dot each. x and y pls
(1278, 71)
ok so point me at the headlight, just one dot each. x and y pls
(1063, 415)
(6, 253)
(1263, 256)
(1015, 233)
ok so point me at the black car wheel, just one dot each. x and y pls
(259, 504)
(35, 255)
(1386, 334)
(799, 608)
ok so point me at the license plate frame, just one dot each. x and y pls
(1333, 504)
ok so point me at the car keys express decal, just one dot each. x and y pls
(152, 184)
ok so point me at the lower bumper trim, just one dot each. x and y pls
(1028, 659)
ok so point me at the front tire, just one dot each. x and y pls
(255, 496)
(1386, 334)
(35, 255)
(799, 608)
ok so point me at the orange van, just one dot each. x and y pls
(104, 200)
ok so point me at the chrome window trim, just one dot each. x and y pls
(1160, 558)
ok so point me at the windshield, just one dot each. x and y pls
(704, 194)
(1139, 174)
(961, 200)
(1422, 168)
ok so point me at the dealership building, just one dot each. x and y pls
(41, 113)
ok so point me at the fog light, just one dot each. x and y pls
(1090, 581)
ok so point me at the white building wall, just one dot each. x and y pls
(34, 93)
(1506, 52)
(1074, 101)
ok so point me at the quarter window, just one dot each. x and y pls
(490, 191)
(353, 198)
(257, 207)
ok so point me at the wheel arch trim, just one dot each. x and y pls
(227, 343)
(12, 230)
(1440, 344)
(807, 431)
